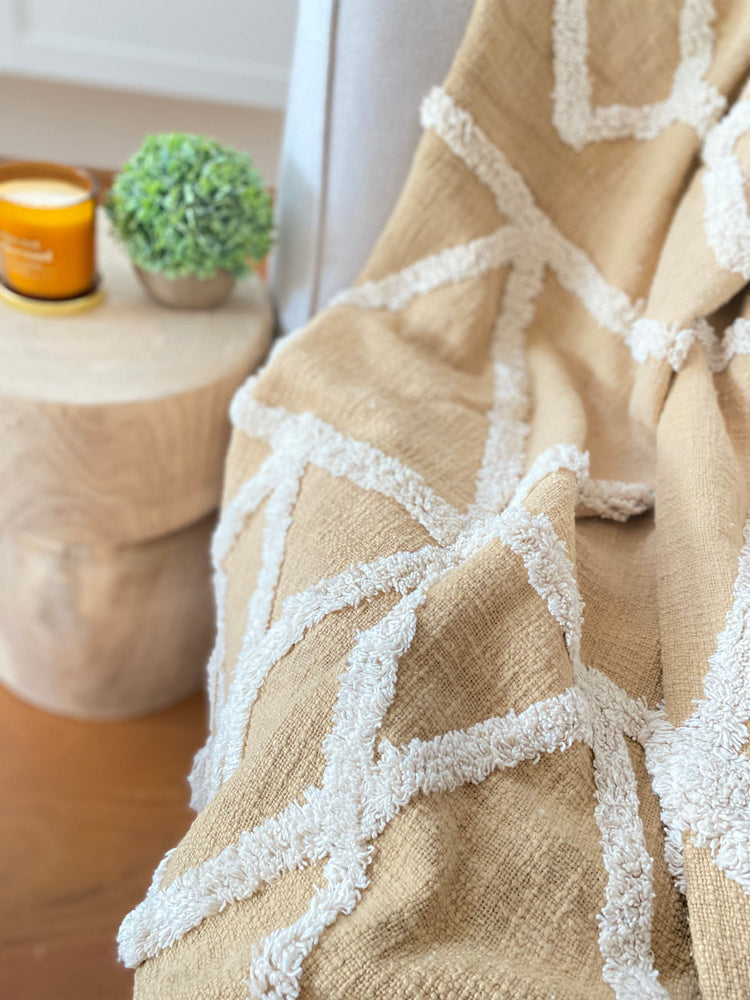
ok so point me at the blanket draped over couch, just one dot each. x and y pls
(481, 683)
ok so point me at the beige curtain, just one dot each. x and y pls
(482, 677)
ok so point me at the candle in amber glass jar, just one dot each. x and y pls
(47, 216)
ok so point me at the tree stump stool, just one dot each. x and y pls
(113, 432)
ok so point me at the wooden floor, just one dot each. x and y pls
(86, 812)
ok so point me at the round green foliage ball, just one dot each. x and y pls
(186, 205)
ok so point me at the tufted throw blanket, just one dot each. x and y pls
(481, 683)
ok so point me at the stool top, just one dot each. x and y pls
(129, 348)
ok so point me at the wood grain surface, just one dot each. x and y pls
(114, 423)
(113, 431)
(113, 474)
(88, 811)
(100, 632)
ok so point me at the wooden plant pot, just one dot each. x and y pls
(189, 292)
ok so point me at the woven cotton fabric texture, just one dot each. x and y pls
(481, 683)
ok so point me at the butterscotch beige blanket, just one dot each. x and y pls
(482, 677)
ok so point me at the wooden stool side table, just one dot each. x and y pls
(113, 432)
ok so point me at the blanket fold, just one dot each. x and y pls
(481, 683)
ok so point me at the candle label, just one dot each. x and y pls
(30, 250)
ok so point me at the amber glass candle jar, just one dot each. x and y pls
(47, 216)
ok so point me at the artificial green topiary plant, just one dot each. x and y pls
(186, 205)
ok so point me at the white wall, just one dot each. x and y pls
(100, 127)
(232, 51)
(83, 81)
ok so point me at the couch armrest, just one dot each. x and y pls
(359, 72)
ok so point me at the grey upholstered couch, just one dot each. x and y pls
(360, 70)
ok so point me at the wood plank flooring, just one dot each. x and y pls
(88, 809)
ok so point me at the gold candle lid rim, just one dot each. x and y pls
(53, 307)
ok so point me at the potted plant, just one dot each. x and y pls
(193, 216)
